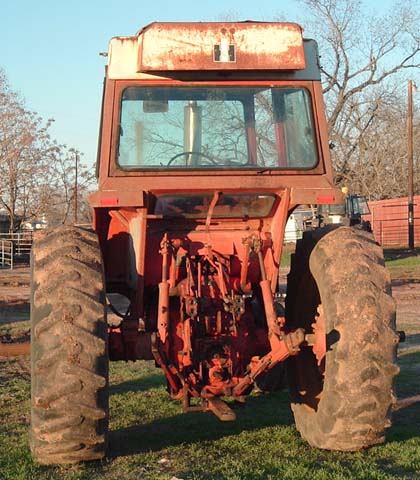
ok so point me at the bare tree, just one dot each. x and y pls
(364, 59)
(379, 168)
(37, 174)
(25, 155)
(61, 191)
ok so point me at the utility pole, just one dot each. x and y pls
(76, 154)
(410, 166)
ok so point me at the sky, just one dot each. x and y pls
(49, 50)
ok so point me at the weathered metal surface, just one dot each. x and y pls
(282, 347)
(129, 343)
(221, 409)
(190, 278)
(221, 46)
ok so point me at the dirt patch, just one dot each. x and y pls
(407, 296)
(15, 303)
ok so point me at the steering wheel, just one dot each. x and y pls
(207, 157)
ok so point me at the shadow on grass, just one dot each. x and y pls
(406, 422)
(400, 253)
(388, 467)
(258, 412)
(409, 342)
(400, 282)
(14, 311)
(141, 384)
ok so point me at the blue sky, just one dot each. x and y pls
(49, 50)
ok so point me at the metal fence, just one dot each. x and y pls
(394, 231)
(389, 220)
(6, 253)
(15, 248)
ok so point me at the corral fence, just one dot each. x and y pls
(6, 253)
(389, 220)
(15, 248)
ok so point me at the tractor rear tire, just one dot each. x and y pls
(69, 360)
(344, 401)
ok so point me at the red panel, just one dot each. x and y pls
(389, 220)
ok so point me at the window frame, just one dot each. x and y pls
(317, 107)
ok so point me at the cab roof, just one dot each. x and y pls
(164, 49)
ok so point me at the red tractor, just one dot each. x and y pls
(211, 135)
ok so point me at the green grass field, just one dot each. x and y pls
(403, 263)
(151, 439)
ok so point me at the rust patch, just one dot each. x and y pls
(221, 46)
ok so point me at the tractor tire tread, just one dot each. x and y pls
(69, 407)
(344, 262)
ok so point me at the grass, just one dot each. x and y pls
(403, 263)
(288, 249)
(151, 439)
